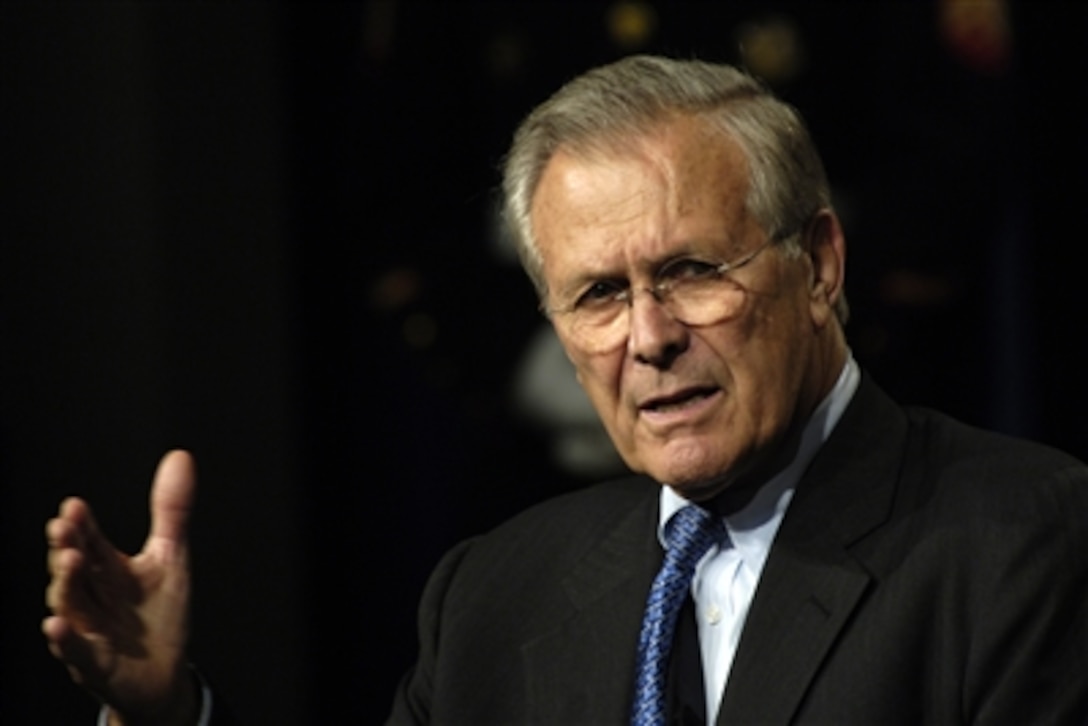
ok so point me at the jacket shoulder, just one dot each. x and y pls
(1000, 473)
(558, 531)
(946, 438)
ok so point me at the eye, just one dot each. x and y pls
(600, 293)
(688, 269)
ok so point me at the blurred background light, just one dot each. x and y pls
(772, 48)
(631, 24)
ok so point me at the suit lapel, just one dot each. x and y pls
(581, 670)
(811, 583)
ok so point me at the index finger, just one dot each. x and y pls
(75, 527)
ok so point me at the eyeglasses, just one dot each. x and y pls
(692, 291)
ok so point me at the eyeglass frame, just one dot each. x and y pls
(660, 290)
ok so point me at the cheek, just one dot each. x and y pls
(617, 419)
(772, 380)
(601, 379)
(758, 362)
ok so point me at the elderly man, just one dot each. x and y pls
(796, 547)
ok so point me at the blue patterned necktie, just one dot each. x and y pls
(689, 534)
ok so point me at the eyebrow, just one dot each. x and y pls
(571, 291)
(699, 247)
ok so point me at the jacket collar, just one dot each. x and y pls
(812, 582)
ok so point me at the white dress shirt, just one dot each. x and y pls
(726, 578)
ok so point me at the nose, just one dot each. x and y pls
(656, 338)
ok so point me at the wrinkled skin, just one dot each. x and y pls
(698, 408)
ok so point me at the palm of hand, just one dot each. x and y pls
(120, 623)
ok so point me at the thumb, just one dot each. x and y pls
(173, 494)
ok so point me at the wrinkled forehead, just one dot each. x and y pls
(619, 139)
(680, 190)
(692, 158)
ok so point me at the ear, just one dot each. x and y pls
(827, 253)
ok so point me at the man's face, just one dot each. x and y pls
(692, 406)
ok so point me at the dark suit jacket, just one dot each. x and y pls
(926, 572)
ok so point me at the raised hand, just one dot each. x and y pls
(120, 623)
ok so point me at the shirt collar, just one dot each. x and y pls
(752, 529)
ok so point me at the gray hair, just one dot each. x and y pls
(607, 105)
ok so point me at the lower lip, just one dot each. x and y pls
(688, 414)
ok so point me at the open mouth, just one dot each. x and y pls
(678, 400)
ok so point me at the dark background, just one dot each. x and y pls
(264, 232)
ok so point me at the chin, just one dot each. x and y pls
(694, 474)
(701, 490)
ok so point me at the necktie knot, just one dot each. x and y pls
(689, 534)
